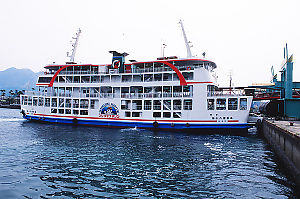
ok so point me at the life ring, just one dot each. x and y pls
(155, 124)
(188, 68)
(45, 73)
(116, 64)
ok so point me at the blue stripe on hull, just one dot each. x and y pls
(124, 124)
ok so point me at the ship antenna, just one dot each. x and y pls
(187, 43)
(74, 46)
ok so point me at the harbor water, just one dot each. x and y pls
(62, 161)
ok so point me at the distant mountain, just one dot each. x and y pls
(17, 79)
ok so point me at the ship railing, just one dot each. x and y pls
(106, 95)
(78, 72)
(159, 69)
(177, 94)
(113, 95)
(187, 94)
(167, 94)
(132, 95)
(93, 95)
(147, 70)
(148, 95)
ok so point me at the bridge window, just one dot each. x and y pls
(232, 104)
(210, 104)
(53, 110)
(243, 104)
(221, 104)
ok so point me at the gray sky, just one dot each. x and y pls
(242, 37)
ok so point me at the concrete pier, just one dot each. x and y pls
(284, 138)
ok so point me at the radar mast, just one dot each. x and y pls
(74, 46)
(187, 43)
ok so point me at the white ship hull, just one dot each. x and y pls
(179, 94)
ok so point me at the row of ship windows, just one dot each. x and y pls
(69, 111)
(116, 92)
(157, 104)
(132, 68)
(60, 102)
(155, 114)
(220, 104)
(125, 104)
(118, 78)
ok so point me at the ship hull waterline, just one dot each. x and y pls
(143, 124)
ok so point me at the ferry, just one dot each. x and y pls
(168, 93)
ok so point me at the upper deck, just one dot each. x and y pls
(163, 68)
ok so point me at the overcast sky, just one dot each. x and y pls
(242, 37)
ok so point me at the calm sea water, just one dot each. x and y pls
(60, 161)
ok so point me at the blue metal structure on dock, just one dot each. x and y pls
(284, 94)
